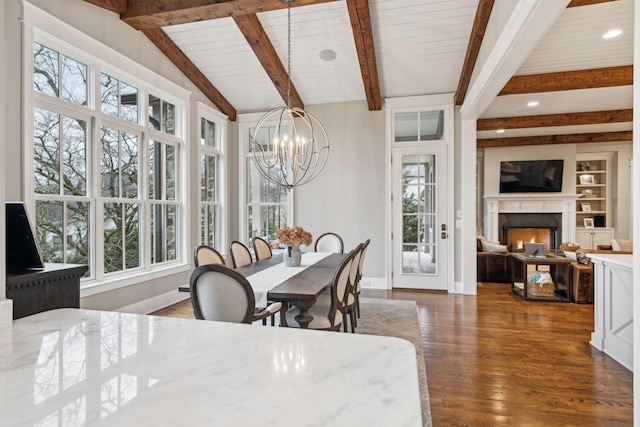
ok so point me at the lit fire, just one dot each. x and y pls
(520, 243)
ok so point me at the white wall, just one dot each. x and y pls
(348, 197)
(9, 13)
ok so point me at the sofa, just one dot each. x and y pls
(582, 268)
(494, 262)
(494, 265)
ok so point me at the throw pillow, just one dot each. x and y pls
(622, 245)
(569, 246)
(493, 247)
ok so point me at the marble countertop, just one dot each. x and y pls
(85, 367)
(621, 260)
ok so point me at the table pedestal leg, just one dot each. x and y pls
(304, 318)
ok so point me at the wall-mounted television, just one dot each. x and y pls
(22, 249)
(531, 176)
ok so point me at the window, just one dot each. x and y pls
(267, 202)
(264, 207)
(212, 149)
(106, 179)
(419, 126)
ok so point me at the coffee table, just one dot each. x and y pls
(558, 266)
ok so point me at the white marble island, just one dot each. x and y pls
(83, 367)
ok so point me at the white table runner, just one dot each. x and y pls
(267, 279)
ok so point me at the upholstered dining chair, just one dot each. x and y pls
(329, 242)
(240, 254)
(261, 248)
(348, 307)
(365, 245)
(327, 316)
(221, 293)
(349, 303)
(207, 255)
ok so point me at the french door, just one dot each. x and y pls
(419, 212)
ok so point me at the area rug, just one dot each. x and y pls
(395, 318)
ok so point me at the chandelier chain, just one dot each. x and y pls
(289, 54)
(297, 146)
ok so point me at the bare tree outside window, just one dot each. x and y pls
(68, 201)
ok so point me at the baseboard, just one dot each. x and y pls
(458, 288)
(373, 283)
(155, 303)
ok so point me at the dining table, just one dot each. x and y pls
(273, 281)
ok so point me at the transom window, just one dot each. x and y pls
(419, 126)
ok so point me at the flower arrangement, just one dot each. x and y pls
(294, 236)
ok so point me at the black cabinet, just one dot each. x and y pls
(35, 291)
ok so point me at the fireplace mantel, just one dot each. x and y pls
(531, 203)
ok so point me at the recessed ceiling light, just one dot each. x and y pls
(328, 55)
(612, 33)
(500, 131)
(532, 104)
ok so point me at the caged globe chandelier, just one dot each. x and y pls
(298, 148)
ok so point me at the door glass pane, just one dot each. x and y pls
(419, 227)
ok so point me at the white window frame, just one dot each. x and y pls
(48, 30)
(220, 120)
(245, 123)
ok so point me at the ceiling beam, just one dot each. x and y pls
(564, 119)
(363, 37)
(117, 6)
(253, 31)
(569, 80)
(175, 55)
(475, 41)
(575, 3)
(141, 14)
(556, 139)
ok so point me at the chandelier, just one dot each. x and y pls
(296, 147)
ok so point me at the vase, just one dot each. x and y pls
(292, 256)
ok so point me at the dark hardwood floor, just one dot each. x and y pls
(494, 360)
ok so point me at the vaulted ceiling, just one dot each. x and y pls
(235, 51)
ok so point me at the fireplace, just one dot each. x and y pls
(516, 237)
(554, 209)
(518, 229)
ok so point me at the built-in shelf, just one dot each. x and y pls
(594, 205)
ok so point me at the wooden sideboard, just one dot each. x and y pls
(34, 291)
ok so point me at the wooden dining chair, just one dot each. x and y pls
(349, 303)
(240, 255)
(204, 254)
(222, 294)
(329, 242)
(348, 307)
(327, 316)
(360, 266)
(261, 248)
